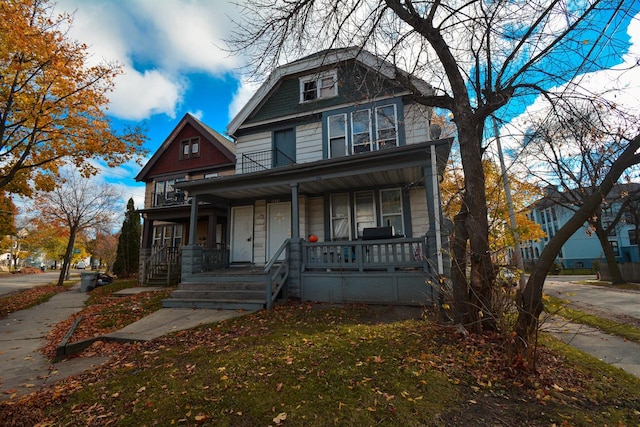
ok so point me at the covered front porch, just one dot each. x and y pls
(398, 269)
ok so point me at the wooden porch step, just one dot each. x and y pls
(214, 304)
(223, 286)
(219, 294)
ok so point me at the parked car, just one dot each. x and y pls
(81, 265)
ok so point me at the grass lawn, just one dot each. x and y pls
(317, 365)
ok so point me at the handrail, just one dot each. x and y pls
(279, 276)
(165, 255)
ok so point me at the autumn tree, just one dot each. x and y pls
(79, 205)
(52, 101)
(480, 57)
(501, 235)
(105, 248)
(583, 148)
(128, 253)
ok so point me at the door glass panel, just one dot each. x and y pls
(391, 209)
(340, 217)
(365, 211)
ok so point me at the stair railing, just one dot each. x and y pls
(276, 273)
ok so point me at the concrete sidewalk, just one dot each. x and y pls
(23, 369)
(610, 349)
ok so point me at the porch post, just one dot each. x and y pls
(191, 253)
(145, 248)
(295, 249)
(211, 233)
(193, 221)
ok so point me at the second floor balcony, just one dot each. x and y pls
(262, 160)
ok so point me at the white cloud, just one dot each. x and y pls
(244, 93)
(156, 42)
(140, 95)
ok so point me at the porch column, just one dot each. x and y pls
(193, 221)
(145, 249)
(434, 237)
(211, 236)
(295, 249)
(147, 233)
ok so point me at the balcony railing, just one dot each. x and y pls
(365, 255)
(170, 198)
(263, 160)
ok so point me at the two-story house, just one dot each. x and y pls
(192, 151)
(583, 247)
(335, 196)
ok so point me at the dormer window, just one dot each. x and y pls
(318, 86)
(190, 148)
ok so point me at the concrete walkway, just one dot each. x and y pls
(23, 369)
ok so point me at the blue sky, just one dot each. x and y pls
(174, 59)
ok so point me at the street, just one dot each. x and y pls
(620, 304)
(10, 283)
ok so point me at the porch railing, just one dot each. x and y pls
(276, 273)
(164, 261)
(215, 258)
(365, 255)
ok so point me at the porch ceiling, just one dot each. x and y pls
(400, 166)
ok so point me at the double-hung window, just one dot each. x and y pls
(164, 193)
(386, 126)
(190, 148)
(318, 86)
(338, 135)
(362, 131)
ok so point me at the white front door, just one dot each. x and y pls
(279, 227)
(242, 234)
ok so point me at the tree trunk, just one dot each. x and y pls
(610, 257)
(66, 262)
(480, 310)
(459, 242)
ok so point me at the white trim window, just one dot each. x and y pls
(391, 209)
(361, 131)
(167, 235)
(190, 148)
(164, 193)
(340, 217)
(337, 131)
(319, 86)
(387, 126)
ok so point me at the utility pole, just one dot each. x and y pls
(512, 215)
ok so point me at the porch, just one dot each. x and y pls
(386, 271)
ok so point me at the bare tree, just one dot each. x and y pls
(78, 204)
(479, 56)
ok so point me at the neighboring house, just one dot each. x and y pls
(335, 196)
(583, 248)
(192, 151)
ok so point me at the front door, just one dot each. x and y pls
(284, 148)
(242, 234)
(279, 227)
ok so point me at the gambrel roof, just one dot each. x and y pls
(319, 60)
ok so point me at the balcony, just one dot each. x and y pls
(170, 198)
(263, 160)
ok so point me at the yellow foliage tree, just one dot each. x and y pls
(52, 103)
(501, 236)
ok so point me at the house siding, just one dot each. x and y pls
(285, 98)
(309, 143)
(416, 123)
(315, 218)
(419, 212)
(251, 143)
